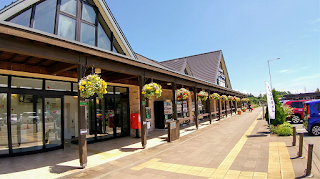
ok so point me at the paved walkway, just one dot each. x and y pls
(236, 147)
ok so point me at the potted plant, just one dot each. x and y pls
(152, 89)
(237, 99)
(230, 98)
(182, 94)
(244, 109)
(239, 111)
(202, 95)
(92, 84)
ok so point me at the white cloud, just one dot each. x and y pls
(303, 78)
(245, 91)
(283, 71)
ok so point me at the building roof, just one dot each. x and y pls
(149, 61)
(203, 66)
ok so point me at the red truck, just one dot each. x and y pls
(297, 106)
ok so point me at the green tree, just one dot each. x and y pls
(280, 117)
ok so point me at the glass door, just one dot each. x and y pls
(53, 122)
(121, 117)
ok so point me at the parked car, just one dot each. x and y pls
(312, 117)
(297, 106)
(29, 117)
(13, 118)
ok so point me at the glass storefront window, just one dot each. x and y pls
(110, 90)
(88, 13)
(69, 6)
(67, 27)
(23, 18)
(121, 90)
(52, 122)
(3, 81)
(26, 83)
(103, 40)
(44, 16)
(75, 87)
(3, 124)
(26, 123)
(58, 85)
(87, 34)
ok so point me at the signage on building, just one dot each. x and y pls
(271, 105)
(83, 131)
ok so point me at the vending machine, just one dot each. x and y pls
(162, 112)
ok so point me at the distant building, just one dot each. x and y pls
(308, 96)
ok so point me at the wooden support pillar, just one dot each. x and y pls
(230, 107)
(209, 109)
(196, 106)
(174, 99)
(220, 106)
(82, 129)
(143, 113)
(225, 107)
(236, 106)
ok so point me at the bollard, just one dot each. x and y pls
(300, 145)
(309, 161)
(294, 136)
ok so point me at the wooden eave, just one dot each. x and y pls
(60, 49)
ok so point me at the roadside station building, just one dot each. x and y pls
(46, 47)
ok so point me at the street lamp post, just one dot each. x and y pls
(269, 71)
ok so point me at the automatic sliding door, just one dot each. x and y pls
(26, 122)
(53, 122)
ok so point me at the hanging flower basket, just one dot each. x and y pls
(203, 96)
(237, 99)
(182, 94)
(152, 89)
(230, 98)
(92, 84)
(245, 100)
(224, 98)
(215, 96)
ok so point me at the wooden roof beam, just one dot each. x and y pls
(60, 67)
(13, 57)
(117, 77)
(42, 62)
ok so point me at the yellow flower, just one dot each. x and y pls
(81, 87)
(90, 89)
(84, 82)
(157, 91)
(89, 82)
(105, 91)
(143, 92)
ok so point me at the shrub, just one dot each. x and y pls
(284, 131)
(286, 124)
(273, 129)
(288, 110)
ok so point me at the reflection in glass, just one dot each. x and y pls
(87, 34)
(67, 27)
(69, 6)
(70, 117)
(90, 120)
(3, 81)
(103, 39)
(45, 16)
(23, 18)
(105, 118)
(88, 13)
(26, 83)
(3, 124)
(58, 85)
(52, 122)
(26, 123)
(114, 49)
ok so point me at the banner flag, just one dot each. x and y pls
(271, 105)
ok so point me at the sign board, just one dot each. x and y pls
(144, 103)
(270, 101)
(173, 125)
(83, 103)
(166, 117)
(83, 131)
(1, 106)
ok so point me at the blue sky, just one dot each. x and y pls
(249, 32)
